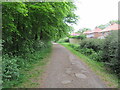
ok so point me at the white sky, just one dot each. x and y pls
(95, 12)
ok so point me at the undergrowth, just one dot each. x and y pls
(15, 68)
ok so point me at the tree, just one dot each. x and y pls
(108, 24)
(83, 30)
(29, 27)
(31, 21)
(114, 21)
(103, 26)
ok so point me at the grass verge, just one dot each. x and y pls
(111, 80)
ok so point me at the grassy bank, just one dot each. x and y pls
(32, 72)
(98, 67)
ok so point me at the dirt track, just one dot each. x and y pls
(65, 70)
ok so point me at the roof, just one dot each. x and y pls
(112, 27)
(93, 31)
(75, 34)
(109, 28)
(97, 30)
(87, 32)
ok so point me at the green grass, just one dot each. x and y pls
(110, 79)
(32, 72)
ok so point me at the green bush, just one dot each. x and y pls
(82, 36)
(105, 51)
(96, 56)
(86, 51)
(63, 40)
(110, 52)
(75, 47)
(10, 68)
(12, 65)
(95, 44)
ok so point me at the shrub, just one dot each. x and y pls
(10, 68)
(75, 47)
(105, 51)
(82, 36)
(96, 56)
(95, 44)
(110, 52)
(86, 51)
(12, 65)
(63, 40)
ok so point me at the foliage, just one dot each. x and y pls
(10, 68)
(97, 56)
(95, 44)
(103, 26)
(108, 24)
(28, 28)
(12, 65)
(63, 40)
(88, 52)
(110, 52)
(34, 21)
(98, 67)
(83, 30)
(114, 21)
(105, 51)
(82, 36)
(74, 46)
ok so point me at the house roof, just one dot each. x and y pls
(93, 31)
(87, 32)
(112, 27)
(109, 28)
(97, 29)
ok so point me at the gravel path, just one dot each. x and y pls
(65, 70)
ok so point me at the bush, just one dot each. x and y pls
(86, 51)
(75, 47)
(12, 65)
(82, 36)
(96, 56)
(110, 52)
(104, 50)
(95, 44)
(64, 40)
(10, 68)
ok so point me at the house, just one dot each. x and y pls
(105, 32)
(75, 34)
(89, 34)
(101, 34)
(93, 33)
(74, 40)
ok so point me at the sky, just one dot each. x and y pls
(93, 13)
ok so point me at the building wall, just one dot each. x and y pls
(97, 35)
(74, 41)
(90, 35)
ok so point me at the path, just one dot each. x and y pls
(65, 70)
